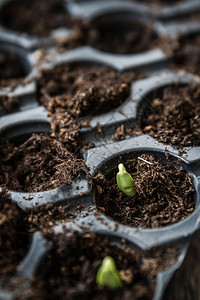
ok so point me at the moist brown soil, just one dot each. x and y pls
(37, 18)
(40, 164)
(164, 194)
(14, 238)
(69, 270)
(176, 116)
(187, 54)
(84, 91)
(10, 75)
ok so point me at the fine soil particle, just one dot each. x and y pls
(48, 15)
(40, 164)
(176, 116)
(69, 270)
(187, 54)
(164, 194)
(86, 90)
(8, 104)
(10, 75)
(119, 37)
(14, 238)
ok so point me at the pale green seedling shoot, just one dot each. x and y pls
(108, 275)
(125, 181)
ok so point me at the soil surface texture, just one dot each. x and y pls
(175, 116)
(35, 17)
(40, 164)
(114, 36)
(84, 91)
(69, 270)
(164, 194)
(14, 237)
(10, 75)
(187, 54)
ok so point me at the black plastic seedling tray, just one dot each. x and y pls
(33, 118)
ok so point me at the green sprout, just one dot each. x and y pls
(108, 275)
(125, 181)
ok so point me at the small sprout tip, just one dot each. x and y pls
(108, 275)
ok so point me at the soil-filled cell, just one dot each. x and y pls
(187, 54)
(12, 70)
(40, 163)
(174, 115)
(121, 35)
(69, 269)
(85, 90)
(14, 237)
(164, 193)
(36, 18)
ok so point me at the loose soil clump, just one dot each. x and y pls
(40, 164)
(164, 194)
(69, 270)
(10, 75)
(14, 237)
(176, 116)
(186, 53)
(84, 91)
(48, 15)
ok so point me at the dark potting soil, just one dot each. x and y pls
(35, 17)
(84, 91)
(187, 54)
(14, 237)
(117, 37)
(40, 164)
(164, 194)
(69, 270)
(175, 117)
(11, 70)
